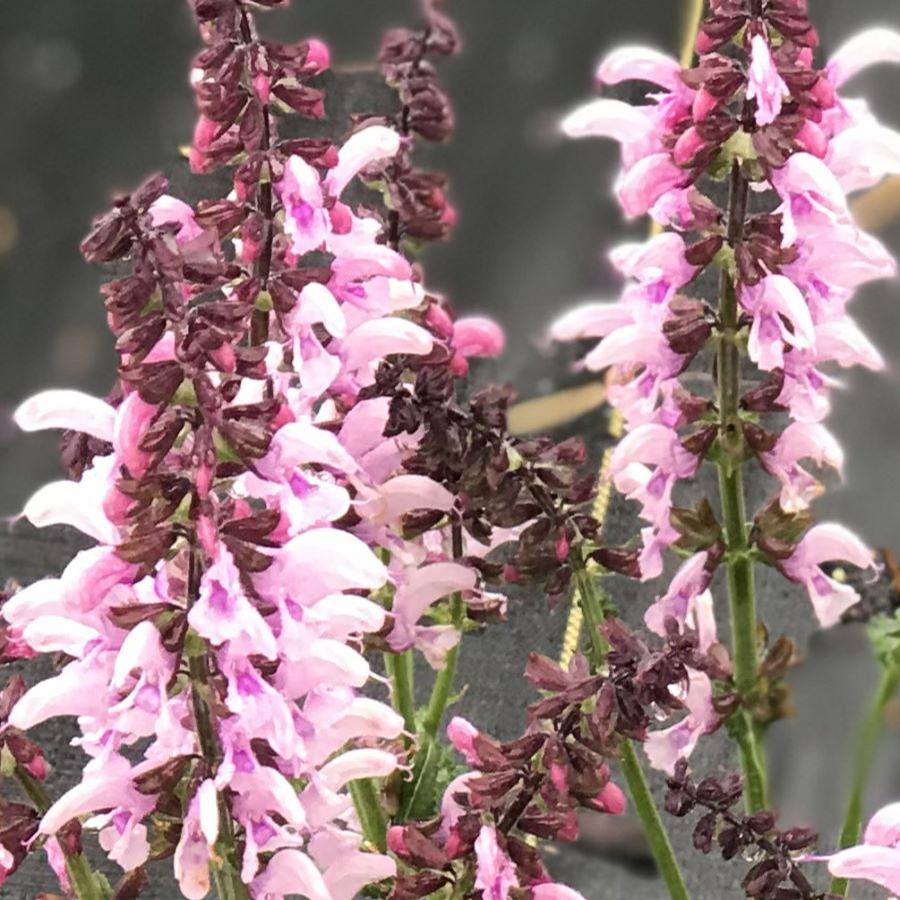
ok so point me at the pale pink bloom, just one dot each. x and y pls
(400, 495)
(424, 587)
(462, 733)
(59, 634)
(801, 440)
(645, 183)
(65, 409)
(494, 874)
(764, 84)
(688, 583)
(79, 690)
(877, 858)
(306, 219)
(262, 709)
(290, 872)
(639, 344)
(811, 196)
(842, 341)
(860, 156)
(658, 264)
(606, 118)
(774, 302)
(349, 875)
(321, 799)
(636, 63)
(56, 859)
(478, 336)
(342, 616)
(338, 717)
(300, 444)
(367, 344)
(75, 503)
(665, 747)
(92, 574)
(656, 446)
(434, 642)
(646, 465)
(554, 891)
(835, 258)
(224, 614)
(316, 305)
(823, 543)
(168, 210)
(319, 562)
(868, 48)
(199, 833)
(109, 787)
(133, 417)
(360, 150)
(591, 320)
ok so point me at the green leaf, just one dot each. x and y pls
(434, 768)
(884, 632)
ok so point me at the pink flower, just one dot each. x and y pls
(666, 746)
(645, 183)
(688, 583)
(495, 874)
(868, 48)
(65, 409)
(168, 210)
(764, 84)
(424, 587)
(776, 303)
(554, 891)
(877, 859)
(635, 63)
(198, 837)
(477, 336)
(223, 614)
(801, 440)
(827, 542)
(462, 734)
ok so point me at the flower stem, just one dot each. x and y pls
(400, 670)
(443, 682)
(83, 881)
(866, 745)
(368, 809)
(741, 587)
(593, 602)
(647, 812)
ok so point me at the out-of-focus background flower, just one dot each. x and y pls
(94, 96)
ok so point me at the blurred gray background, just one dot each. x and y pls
(94, 97)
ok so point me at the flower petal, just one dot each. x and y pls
(67, 410)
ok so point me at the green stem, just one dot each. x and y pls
(741, 587)
(657, 836)
(368, 809)
(866, 746)
(443, 682)
(83, 881)
(593, 603)
(399, 667)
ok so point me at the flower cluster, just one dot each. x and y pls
(532, 787)
(775, 872)
(243, 501)
(757, 114)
